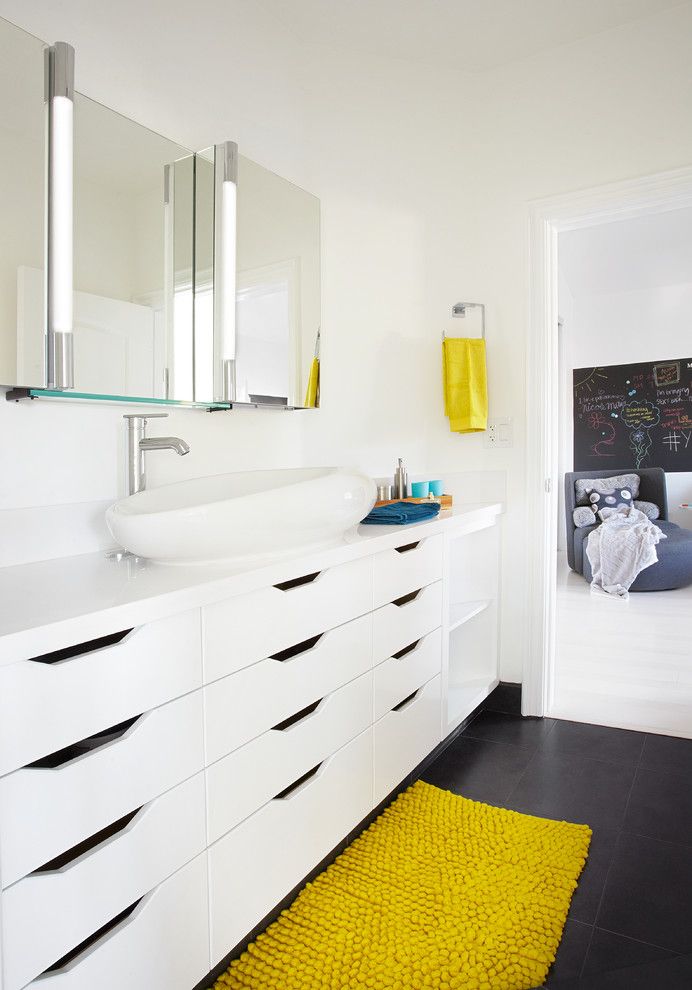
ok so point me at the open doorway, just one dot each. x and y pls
(607, 208)
(625, 419)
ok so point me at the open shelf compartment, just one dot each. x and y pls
(472, 622)
(472, 663)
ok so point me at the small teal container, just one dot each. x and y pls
(420, 489)
(436, 488)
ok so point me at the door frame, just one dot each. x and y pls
(548, 218)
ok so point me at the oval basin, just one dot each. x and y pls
(242, 516)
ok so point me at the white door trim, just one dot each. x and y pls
(547, 218)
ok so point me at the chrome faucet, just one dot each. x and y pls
(138, 443)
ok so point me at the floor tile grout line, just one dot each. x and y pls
(529, 764)
(593, 759)
(495, 742)
(508, 746)
(552, 727)
(656, 838)
(639, 941)
(521, 777)
(600, 904)
(608, 872)
(641, 752)
(627, 805)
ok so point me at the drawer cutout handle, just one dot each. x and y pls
(91, 940)
(294, 651)
(287, 791)
(406, 599)
(407, 547)
(406, 650)
(407, 701)
(79, 649)
(297, 582)
(298, 717)
(86, 845)
(89, 745)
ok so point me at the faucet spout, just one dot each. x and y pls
(181, 447)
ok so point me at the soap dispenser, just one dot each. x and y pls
(401, 481)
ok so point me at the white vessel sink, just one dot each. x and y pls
(246, 515)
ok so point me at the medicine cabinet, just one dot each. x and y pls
(136, 269)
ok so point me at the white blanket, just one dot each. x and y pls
(621, 548)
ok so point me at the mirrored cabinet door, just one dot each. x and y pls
(122, 197)
(278, 290)
(22, 198)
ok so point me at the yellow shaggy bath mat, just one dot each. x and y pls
(439, 892)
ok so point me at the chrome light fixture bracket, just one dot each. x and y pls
(59, 260)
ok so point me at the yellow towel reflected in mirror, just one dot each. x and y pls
(465, 384)
(312, 391)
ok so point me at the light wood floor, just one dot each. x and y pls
(623, 663)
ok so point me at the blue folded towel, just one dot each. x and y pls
(400, 513)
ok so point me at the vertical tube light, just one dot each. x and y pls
(225, 219)
(59, 70)
(169, 275)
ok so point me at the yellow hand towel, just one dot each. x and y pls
(313, 385)
(465, 384)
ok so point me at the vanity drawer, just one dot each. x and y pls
(48, 809)
(162, 945)
(47, 704)
(401, 675)
(396, 626)
(409, 567)
(235, 788)
(48, 914)
(405, 736)
(242, 630)
(253, 867)
(247, 703)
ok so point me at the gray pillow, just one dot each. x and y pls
(584, 486)
(649, 509)
(583, 516)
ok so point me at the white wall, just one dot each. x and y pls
(425, 176)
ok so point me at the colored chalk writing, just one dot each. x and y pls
(633, 416)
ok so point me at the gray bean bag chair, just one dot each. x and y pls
(674, 567)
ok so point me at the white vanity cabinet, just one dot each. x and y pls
(164, 786)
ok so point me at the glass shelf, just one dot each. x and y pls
(46, 393)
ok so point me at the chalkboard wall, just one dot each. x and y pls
(634, 415)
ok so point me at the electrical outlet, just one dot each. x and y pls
(499, 433)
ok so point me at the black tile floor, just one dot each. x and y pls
(630, 922)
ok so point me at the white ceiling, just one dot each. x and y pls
(466, 35)
(644, 253)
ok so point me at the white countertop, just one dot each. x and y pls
(56, 603)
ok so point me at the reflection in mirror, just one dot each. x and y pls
(178, 322)
(204, 276)
(121, 343)
(278, 290)
(22, 178)
(124, 267)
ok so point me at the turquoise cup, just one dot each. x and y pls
(420, 489)
(436, 488)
